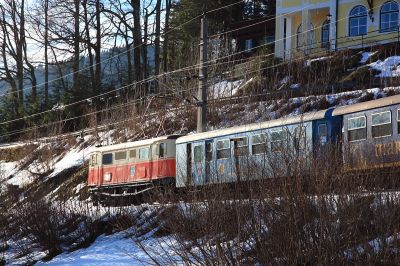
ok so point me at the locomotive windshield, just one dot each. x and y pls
(107, 158)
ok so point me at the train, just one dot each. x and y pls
(370, 131)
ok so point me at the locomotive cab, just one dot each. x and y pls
(133, 167)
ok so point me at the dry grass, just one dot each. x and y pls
(321, 216)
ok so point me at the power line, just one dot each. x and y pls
(162, 75)
(111, 108)
(134, 83)
(122, 53)
(138, 100)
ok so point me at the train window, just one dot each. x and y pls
(398, 121)
(209, 148)
(162, 150)
(144, 153)
(198, 154)
(382, 124)
(121, 155)
(357, 128)
(223, 149)
(242, 146)
(259, 145)
(93, 160)
(278, 140)
(132, 154)
(107, 158)
(322, 133)
(300, 139)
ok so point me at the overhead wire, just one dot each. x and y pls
(144, 80)
(161, 75)
(124, 52)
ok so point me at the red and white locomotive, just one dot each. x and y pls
(134, 167)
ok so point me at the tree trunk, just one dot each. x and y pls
(19, 36)
(157, 43)
(166, 36)
(137, 38)
(46, 56)
(89, 46)
(98, 47)
(75, 67)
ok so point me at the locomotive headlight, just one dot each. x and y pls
(107, 177)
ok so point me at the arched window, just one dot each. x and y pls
(325, 34)
(389, 16)
(358, 21)
(299, 35)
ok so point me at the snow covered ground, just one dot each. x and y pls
(117, 249)
(388, 68)
(225, 88)
(114, 249)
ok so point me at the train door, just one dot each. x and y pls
(199, 172)
(240, 153)
(321, 134)
(95, 169)
(208, 161)
(189, 181)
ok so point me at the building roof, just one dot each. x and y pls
(255, 126)
(358, 107)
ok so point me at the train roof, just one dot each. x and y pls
(255, 126)
(133, 144)
(359, 107)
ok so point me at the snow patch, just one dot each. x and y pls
(308, 62)
(225, 88)
(365, 56)
(388, 68)
(10, 174)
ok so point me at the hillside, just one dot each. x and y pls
(43, 180)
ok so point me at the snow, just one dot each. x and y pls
(116, 249)
(74, 157)
(388, 68)
(225, 88)
(308, 62)
(295, 86)
(365, 56)
(10, 173)
(106, 250)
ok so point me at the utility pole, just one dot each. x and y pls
(202, 91)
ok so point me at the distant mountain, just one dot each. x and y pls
(114, 66)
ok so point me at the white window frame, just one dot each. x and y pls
(228, 148)
(381, 13)
(165, 149)
(281, 140)
(365, 126)
(93, 159)
(258, 143)
(120, 160)
(398, 121)
(381, 124)
(133, 151)
(112, 158)
(358, 17)
(201, 153)
(148, 153)
(245, 145)
(398, 115)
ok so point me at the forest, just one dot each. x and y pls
(55, 53)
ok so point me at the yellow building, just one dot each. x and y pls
(312, 27)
